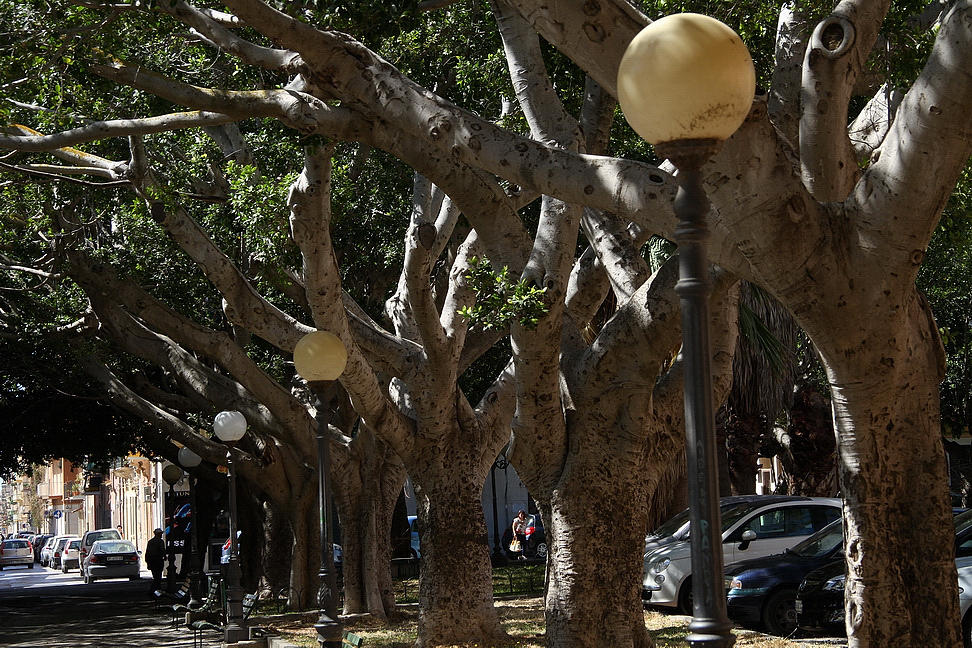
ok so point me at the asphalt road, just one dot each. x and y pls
(43, 607)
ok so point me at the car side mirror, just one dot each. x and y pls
(748, 536)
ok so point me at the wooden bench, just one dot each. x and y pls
(350, 640)
(250, 602)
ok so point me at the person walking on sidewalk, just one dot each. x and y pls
(155, 559)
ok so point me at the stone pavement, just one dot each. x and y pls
(110, 614)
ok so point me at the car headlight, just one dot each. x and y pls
(736, 587)
(660, 565)
(835, 584)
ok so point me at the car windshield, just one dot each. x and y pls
(822, 542)
(730, 511)
(115, 547)
(673, 525)
(963, 520)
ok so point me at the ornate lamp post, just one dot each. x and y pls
(171, 475)
(189, 459)
(230, 428)
(319, 358)
(685, 84)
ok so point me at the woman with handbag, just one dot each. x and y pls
(519, 534)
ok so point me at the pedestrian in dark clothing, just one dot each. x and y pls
(155, 559)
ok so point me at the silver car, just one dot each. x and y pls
(110, 559)
(753, 529)
(16, 551)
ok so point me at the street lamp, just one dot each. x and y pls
(685, 84)
(171, 475)
(319, 358)
(230, 428)
(189, 459)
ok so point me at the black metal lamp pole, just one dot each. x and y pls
(189, 459)
(328, 625)
(710, 624)
(230, 428)
(498, 554)
(686, 83)
(320, 358)
(235, 632)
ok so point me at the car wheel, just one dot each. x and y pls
(542, 550)
(30, 566)
(64, 568)
(779, 612)
(685, 600)
(967, 630)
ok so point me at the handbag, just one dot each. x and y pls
(515, 545)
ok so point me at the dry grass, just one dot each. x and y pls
(523, 618)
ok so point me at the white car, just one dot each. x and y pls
(964, 566)
(47, 553)
(750, 529)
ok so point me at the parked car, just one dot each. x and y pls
(69, 557)
(90, 537)
(964, 566)
(47, 553)
(676, 528)
(16, 551)
(536, 539)
(38, 544)
(110, 559)
(820, 597)
(58, 551)
(760, 527)
(762, 591)
(415, 551)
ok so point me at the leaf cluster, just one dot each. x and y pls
(501, 300)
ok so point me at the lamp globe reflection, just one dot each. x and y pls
(686, 76)
(320, 355)
(229, 426)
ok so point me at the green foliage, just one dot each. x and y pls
(946, 279)
(501, 300)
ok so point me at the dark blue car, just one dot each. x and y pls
(762, 591)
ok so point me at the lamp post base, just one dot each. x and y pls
(328, 632)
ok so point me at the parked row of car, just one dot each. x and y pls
(784, 564)
(97, 555)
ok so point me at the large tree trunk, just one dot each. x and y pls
(595, 561)
(369, 483)
(304, 514)
(893, 476)
(456, 584)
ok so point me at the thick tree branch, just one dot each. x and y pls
(835, 57)
(921, 158)
(212, 25)
(113, 128)
(310, 216)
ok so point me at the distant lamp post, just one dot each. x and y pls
(171, 475)
(320, 358)
(685, 84)
(230, 428)
(189, 459)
